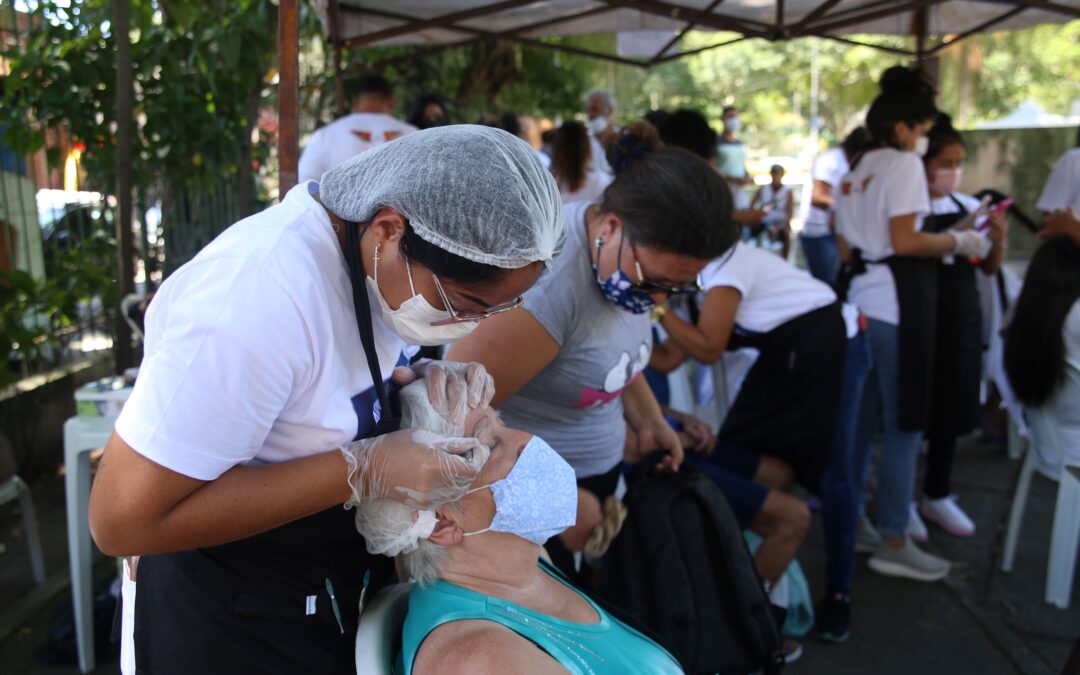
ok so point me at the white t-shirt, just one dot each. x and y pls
(886, 183)
(829, 167)
(252, 353)
(1062, 188)
(945, 205)
(773, 290)
(345, 138)
(599, 161)
(592, 190)
(778, 200)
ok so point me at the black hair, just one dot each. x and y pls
(570, 155)
(1034, 345)
(905, 97)
(372, 85)
(941, 136)
(416, 114)
(730, 108)
(446, 265)
(659, 119)
(856, 141)
(688, 129)
(510, 123)
(669, 199)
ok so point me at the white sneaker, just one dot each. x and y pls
(867, 538)
(909, 562)
(948, 514)
(916, 528)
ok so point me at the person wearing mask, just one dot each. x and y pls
(731, 158)
(599, 109)
(954, 402)
(777, 202)
(570, 162)
(370, 124)
(567, 366)
(264, 400)
(890, 273)
(428, 111)
(485, 601)
(818, 235)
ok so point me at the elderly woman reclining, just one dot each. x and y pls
(484, 600)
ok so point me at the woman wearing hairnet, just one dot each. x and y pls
(568, 367)
(262, 403)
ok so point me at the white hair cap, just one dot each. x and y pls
(474, 191)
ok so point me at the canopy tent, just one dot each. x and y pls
(433, 25)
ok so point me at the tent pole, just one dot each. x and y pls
(335, 40)
(288, 94)
(125, 239)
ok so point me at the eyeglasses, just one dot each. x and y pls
(469, 317)
(652, 287)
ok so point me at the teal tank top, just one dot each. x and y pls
(609, 646)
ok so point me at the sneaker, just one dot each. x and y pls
(948, 514)
(909, 562)
(916, 528)
(834, 618)
(867, 539)
(792, 651)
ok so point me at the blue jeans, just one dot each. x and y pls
(839, 493)
(821, 257)
(899, 454)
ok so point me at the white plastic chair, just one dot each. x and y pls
(1046, 437)
(379, 636)
(15, 488)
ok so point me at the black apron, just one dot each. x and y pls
(261, 604)
(916, 281)
(954, 397)
(788, 403)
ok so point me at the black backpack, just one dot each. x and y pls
(681, 567)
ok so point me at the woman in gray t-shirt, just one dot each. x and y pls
(567, 366)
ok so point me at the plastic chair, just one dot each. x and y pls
(82, 435)
(379, 636)
(16, 488)
(1045, 430)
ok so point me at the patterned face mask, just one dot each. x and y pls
(619, 288)
(538, 498)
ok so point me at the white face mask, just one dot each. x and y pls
(733, 124)
(922, 144)
(597, 124)
(412, 321)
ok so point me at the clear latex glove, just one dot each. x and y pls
(971, 244)
(416, 467)
(453, 388)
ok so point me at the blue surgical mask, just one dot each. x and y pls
(619, 288)
(538, 498)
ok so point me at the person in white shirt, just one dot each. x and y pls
(955, 405)
(890, 274)
(264, 401)
(599, 108)
(800, 400)
(370, 124)
(1062, 189)
(778, 202)
(731, 158)
(818, 235)
(570, 164)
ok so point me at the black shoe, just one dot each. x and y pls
(834, 618)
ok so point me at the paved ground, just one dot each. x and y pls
(979, 621)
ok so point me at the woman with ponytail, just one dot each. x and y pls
(890, 273)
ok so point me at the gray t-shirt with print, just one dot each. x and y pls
(574, 403)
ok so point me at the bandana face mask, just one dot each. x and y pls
(538, 498)
(619, 288)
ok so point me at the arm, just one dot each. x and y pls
(790, 206)
(138, 507)
(514, 348)
(708, 340)
(666, 357)
(907, 242)
(1060, 223)
(999, 230)
(822, 196)
(646, 419)
(755, 202)
(842, 249)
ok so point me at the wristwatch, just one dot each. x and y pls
(658, 312)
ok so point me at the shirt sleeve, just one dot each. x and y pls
(311, 166)
(735, 272)
(907, 191)
(554, 300)
(226, 350)
(825, 168)
(1063, 180)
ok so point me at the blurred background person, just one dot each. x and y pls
(731, 158)
(777, 202)
(428, 111)
(600, 108)
(570, 164)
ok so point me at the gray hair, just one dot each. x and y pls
(387, 525)
(609, 98)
